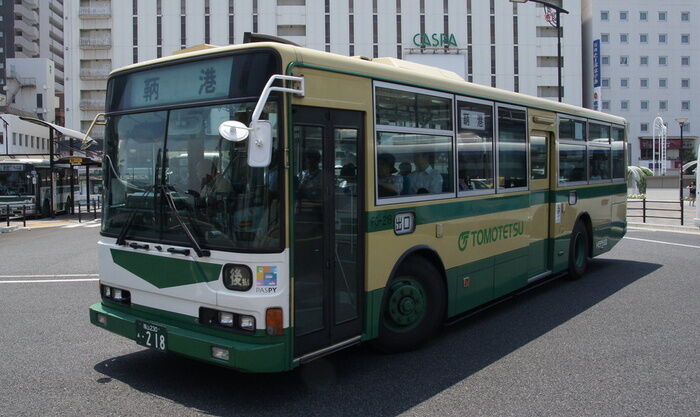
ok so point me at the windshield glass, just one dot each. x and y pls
(225, 203)
(14, 180)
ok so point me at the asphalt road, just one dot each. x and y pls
(622, 341)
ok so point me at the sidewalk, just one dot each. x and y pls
(57, 221)
(652, 223)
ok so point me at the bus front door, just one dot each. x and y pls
(327, 234)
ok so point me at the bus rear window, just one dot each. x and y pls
(233, 76)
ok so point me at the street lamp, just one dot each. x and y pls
(559, 11)
(681, 121)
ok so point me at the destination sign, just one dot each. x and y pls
(195, 81)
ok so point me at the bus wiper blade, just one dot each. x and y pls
(195, 245)
(121, 238)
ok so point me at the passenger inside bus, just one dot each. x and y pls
(389, 184)
(405, 170)
(425, 179)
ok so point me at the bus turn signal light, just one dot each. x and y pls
(274, 322)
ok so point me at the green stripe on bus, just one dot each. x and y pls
(590, 192)
(166, 272)
(384, 219)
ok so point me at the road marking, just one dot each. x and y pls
(663, 243)
(35, 281)
(51, 276)
(94, 225)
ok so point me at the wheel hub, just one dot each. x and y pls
(407, 302)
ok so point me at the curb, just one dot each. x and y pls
(664, 227)
(8, 229)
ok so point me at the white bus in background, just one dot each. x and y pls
(25, 186)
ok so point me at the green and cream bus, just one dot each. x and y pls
(267, 204)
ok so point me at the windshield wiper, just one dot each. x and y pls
(171, 203)
(121, 238)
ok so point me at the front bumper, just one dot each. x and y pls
(248, 353)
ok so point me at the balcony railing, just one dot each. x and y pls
(29, 48)
(94, 73)
(95, 12)
(33, 4)
(27, 14)
(92, 104)
(102, 42)
(28, 31)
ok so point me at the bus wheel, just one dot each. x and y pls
(414, 303)
(578, 251)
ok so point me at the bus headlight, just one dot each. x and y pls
(116, 295)
(246, 323)
(237, 277)
(226, 319)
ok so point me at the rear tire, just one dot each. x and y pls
(578, 251)
(413, 306)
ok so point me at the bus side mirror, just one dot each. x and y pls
(233, 130)
(99, 120)
(260, 144)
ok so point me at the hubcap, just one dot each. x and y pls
(406, 305)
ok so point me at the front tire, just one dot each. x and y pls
(413, 306)
(578, 251)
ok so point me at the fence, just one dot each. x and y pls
(653, 209)
(20, 212)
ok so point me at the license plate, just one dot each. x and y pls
(151, 336)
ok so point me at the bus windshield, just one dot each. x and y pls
(223, 202)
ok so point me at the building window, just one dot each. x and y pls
(685, 38)
(643, 38)
(662, 16)
(624, 82)
(663, 83)
(643, 60)
(663, 38)
(644, 104)
(624, 37)
(685, 83)
(606, 105)
(624, 105)
(685, 16)
(605, 82)
(624, 60)
(604, 15)
(604, 37)
(644, 83)
(685, 105)
(685, 61)
(643, 16)
(207, 17)
(644, 127)
(623, 16)
(663, 105)
(663, 60)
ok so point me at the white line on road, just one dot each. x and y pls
(51, 276)
(94, 225)
(663, 243)
(35, 281)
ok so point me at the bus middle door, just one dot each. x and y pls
(327, 235)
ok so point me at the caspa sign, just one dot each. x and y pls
(443, 40)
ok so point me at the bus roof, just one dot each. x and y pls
(390, 70)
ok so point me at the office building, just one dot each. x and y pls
(491, 42)
(648, 63)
